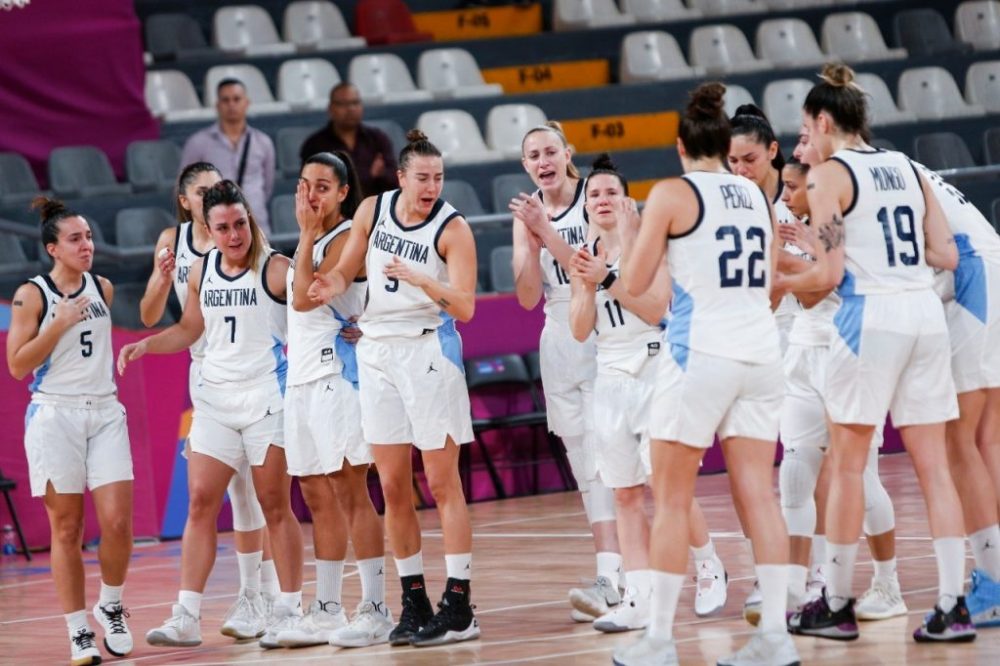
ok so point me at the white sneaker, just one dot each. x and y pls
(774, 648)
(245, 618)
(83, 648)
(881, 601)
(315, 627)
(594, 601)
(647, 651)
(631, 614)
(281, 619)
(815, 584)
(117, 637)
(713, 584)
(751, 607)
(370, 625)
(181, 630)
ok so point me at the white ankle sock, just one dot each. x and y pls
(458, 565)
(950, 555)
(269, 578)
(292, 600)
(191, 602)
(840, 558)
(249, 565)
(76, 621)
(110, 594)
(329, 580)
(372, 572)
(797, 575)
(640, 581)
(818, 551)
(702, 553)
(986, 550)
(609, 565)
(411, 566)
(663, 605)
(885, 570)
(773, 581)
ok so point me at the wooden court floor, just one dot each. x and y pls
(527, 553)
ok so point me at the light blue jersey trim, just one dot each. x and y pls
(40, 374)
(851, 314)
(970, 279)
(451, 342)
(346, 352)
(679, 331)
(280, 363)
(30, 414)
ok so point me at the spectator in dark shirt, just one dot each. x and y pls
(369, 148)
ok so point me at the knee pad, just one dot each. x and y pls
(880, 517)
(581, 460)
(247, 514)
(599, 502)
(797, 481)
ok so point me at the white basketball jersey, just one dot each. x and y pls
(396, 308)
(572, 225)
(720, 269)
(814, 326)
(789, 306)
(315, 348)
(624, 341)
(884, 225)
(244, 325)
(185, 255)
(973, 233)
(81, 363)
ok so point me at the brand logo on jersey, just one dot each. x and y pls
(431, 369)
(887, 178)
(401, 247)
(736, 196)
(220, 298)
(575, 235)
(326, 355)
(653, 348)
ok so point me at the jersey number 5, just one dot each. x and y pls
(756, 270)
(86, 346)
(392, 286)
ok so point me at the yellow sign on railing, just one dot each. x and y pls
(550, 76)
(481, 23)
(625, 132)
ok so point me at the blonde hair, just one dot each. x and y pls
(555, 128)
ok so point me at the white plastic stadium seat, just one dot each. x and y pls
(653, 55)
(382, 78)
(507, 124)
(882, 109)
(586, 14)
(783, 104)
(723, 49)
(453, 73)
(728, 7)
(932, 94)
(247, 29)
(855, 37)
(978, 23)
(457, 136)
(659, 11)
(735, 97)
(318, 26)
(982, 85)
(170, 95)
(261, 100)
(788, 43)
(306, 83)
(799, 4)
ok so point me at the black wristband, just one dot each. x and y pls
(609, 280)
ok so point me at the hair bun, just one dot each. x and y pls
(47, 207)
(749, 110)
(838, 74)
(707, 101)
(604, 162)
(415, 135)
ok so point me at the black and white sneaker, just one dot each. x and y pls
(454, 622)
(117, 637)
(955, 626)
(83, 648)
(416, 613)
(817, 619)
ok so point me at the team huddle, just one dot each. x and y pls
(753, 298)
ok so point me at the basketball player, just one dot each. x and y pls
(183, 245)
(236, 299)
(75, 431)
(628, 339)
(549, 227)
(420, 259)
(323, 440)
(880, 230)
(721, 375)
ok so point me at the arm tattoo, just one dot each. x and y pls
(443, 302)
(18, 303)
(832, 233)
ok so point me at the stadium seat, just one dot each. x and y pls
(728, 7)
(282, 209)
(175, 36)
(83, 171)
(288, 146)
(653, 55)
(995, 214)
(942, 150)
(141, 227)
(659, 11)
(261, 100)
(855, 37)
(382, 78)
(17, 181)
(783, 104)
(991, 145)
(506, 186)
(587, 14)
(982, 85)
(801, 4)
(932, 94)
(723, 49)
(462, 195)
(924, 32)
(152, 165)
(386, 22)
(393, 130)
(452, 74)
(125, 312)
(318, 26)
(305, 83)
(247, 29)
(977, 22)
(735, 97)
(506, 125)
(882, 107)
(788, 43)
(502, 269)
(457, 136)
(883, 144)
(170, 95)
(13, 259)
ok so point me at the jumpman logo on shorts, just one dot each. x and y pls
(431, 368)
